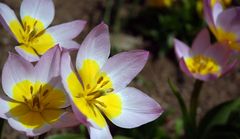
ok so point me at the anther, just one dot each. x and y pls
(31, 89)
(104, 83)
(88, 86)
(25, 99)
(45, 92)
(100, 80)
(109, 90)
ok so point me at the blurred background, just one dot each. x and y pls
(141, 24)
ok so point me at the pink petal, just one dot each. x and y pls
(42, 10)
(96, 46)
(219, 52)
(103, 133)
(207, 77)
(68, 119)
(29, 57)
(217, 9)
(229, 20)
(208, 13)
(181, 49)
(69, 44)
(6, 16)
(48, 66)
(229, 67)
(16, 69)
(137, 109)
(201, 42)
(123, 67)
(184, 67)
(67, 31)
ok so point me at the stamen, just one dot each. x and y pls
(45, 92)
(100, 80)
(36, 102)
(31, 89)
(100, 103)
(109, 90)
(88, 86)
(25, 99)
(104, 83)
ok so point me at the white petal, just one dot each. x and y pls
(69, 44)
(7, 15)
(123, 67)
(103, 133)
(67, 31)
(42, 10)
(96, 46)
(16, 69)
(137, 109)
(48, 66)
(29, 131)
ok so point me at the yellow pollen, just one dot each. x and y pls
(203, 65)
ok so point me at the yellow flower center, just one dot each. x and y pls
(35, 102)
(32, 35)
(94, 95)
(91, 94)
(203, 65)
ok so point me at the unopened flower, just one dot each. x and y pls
(200, 4)
(100, 86)
(35, 100)
(32, 33)
(225, 24)
(204, 61)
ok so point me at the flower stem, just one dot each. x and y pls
(193, 107)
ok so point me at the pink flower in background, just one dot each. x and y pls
(225, 24)
(34, 99)
(99, 86)
(32, 32)
(204, 61)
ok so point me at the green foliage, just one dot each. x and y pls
(223, 121)
(161, 25)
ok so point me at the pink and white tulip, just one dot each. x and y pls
(224, 24)
(99, 86)
(204, 61)
(34, 99)
(32, 33)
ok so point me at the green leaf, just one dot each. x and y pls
(67, 136)
(219, 115)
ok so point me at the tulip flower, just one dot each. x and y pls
(32, 33)
(224, 24)
(99, 86)
(34, 99)
(204, 61)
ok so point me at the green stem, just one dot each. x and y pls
(108, 11)
(1, 126)
(193, 107)
(182, 105)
